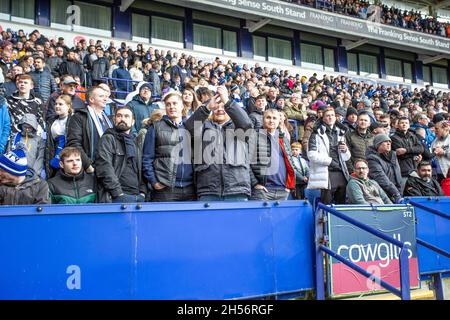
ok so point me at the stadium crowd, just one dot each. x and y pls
(381, 13)
(169, 127)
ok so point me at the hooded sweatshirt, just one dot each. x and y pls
(34, 144)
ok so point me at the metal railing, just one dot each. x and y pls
(403, 293)
(437, 277)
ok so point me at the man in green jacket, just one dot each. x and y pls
(72, 185)
(362, 190)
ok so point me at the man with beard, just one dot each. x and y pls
(117, 168)
(421, 184)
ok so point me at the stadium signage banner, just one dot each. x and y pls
(373, 254)
(329, 21)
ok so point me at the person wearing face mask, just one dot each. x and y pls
(28, 140)
(420, 182)
(56, 138)
(117, 169)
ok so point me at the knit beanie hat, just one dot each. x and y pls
(14, 162)
(379, 139)
(351, 110)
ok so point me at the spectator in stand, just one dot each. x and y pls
(327, 153)
(116, 162)
(272, 166)
(23, 101)
(136, 71)
(53, 61)
(360, 139)
(222, 172)
(68, 86)
(142, 106)
(72, 185)
(296, 110)
(190, 102)
(87, 126)
(100, 67)
(420, 182)
(181, 70)
(123, 76)
(10, 86)
(30, 142)
(44, 82)
(384, 167)
(5, 125)
(441, 149)
(301, 171)
(20, 185)
(407, 147)
(71, 66)
(166, 163)
(257, 115)
(57, 134)
(362, 190)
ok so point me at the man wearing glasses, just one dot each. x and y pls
(362, 190)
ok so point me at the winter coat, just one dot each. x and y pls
(319, 155)
(261, 157)
(413, 147)
(65, 189)
(53, 64)
(100, 68)
(445, 184)
(182, 72)
(358, 144)
(32, 190)
(385, 170)
(34, 144)
(80, 131)
(5, 125)
(110, 160)
(162, 141)
(154, 79)
(50, 114)
(224, 178)
(44, 83)
(366, 192)
(50, 148)
(72, 68)
(141, 111)
(18, 107)
(257, 119)
(417, 187)
(122, 73)
(444, 161)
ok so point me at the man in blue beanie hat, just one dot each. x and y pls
(20, 185)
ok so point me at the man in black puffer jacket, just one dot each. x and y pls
(407, 147)
(221, 164)
(384, 167)
(420, 183)
(100, 68)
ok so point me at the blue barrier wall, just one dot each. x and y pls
(435, 230)
(160, 251)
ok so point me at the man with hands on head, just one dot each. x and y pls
(221, 158)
